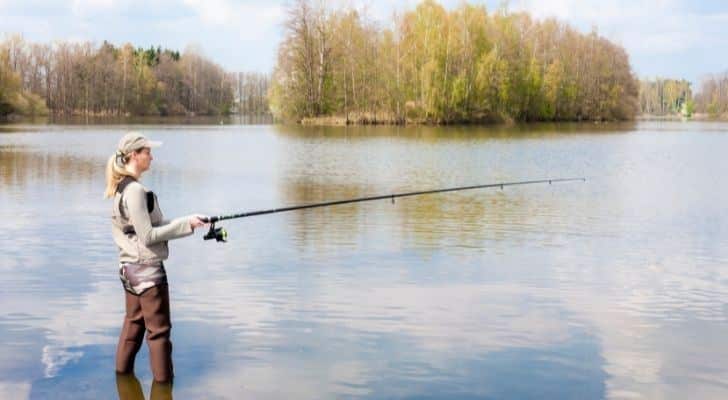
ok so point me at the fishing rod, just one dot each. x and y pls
(220, 234)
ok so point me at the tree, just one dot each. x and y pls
(82, 78)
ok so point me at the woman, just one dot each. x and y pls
(141, 234)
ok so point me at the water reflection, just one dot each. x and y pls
(460, 132)
(462, 219)
(610, 289)
(316, 170)
(20, 165)
(129, 388)
(327, 226)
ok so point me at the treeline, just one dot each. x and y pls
(666, 96)
(439, 66)
(85, 79)
(252, 93)
(713, 96)
(13, 97)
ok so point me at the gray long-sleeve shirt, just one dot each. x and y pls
(148, 243)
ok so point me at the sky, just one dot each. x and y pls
(665, 38)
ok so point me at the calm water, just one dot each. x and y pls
(614, 288)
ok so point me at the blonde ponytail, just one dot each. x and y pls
(114, 173)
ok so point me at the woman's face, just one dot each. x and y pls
(143, 159)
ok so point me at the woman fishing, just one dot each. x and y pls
(141, 233)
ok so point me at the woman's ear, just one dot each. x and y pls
(132, 157)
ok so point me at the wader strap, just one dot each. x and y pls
(120, 189)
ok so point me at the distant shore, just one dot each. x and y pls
(141, 120)
(343, 121)
(386, 119)
(359, 120)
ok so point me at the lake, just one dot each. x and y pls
(613, 288)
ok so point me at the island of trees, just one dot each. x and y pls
(438, 66)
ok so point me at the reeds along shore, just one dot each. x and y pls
(388, 118)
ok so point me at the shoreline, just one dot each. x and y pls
(142, 120)
(328, 121)
(390, 121)
(675, 117)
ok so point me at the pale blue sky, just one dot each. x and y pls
(670, 38)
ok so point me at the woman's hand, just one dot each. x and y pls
(197, 221)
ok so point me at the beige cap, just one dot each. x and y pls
(134, 141)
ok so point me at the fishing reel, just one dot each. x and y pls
(219, 234)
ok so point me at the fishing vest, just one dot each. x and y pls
(137, 278)
(128, 229)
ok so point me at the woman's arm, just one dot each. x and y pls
(136, 202)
